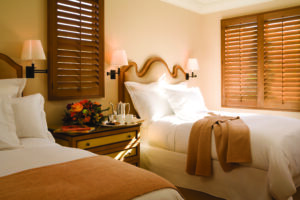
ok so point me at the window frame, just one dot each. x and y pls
(260, 99)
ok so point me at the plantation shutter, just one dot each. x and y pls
(239, 61)
(261, 60)
(76, 48)
(282, 60)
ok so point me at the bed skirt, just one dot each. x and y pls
(243, 183)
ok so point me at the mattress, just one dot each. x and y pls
(37, 152)
(274, 145)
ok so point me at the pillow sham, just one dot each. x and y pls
(12, 87)
(149, 100)
(30, 117)
(186, 102)
(8, 136)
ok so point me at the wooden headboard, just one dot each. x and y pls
(14, 71)
(158, 68)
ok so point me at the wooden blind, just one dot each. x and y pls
(261, 60)
(282, 60)
(240, 63)
(76, 48)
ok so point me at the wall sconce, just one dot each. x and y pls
(118, 59)
(192, 65)
(33, 50)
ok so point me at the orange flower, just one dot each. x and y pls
(77, 107)
(97, 103)
(87, 119)
(84, 101)
(72, 114)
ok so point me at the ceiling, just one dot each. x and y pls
(211, 6)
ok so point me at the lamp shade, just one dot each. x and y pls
(192, 64)
(33, 50)
(119, 58)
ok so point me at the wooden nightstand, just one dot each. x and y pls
(121, 143)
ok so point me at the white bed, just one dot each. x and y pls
(26, 143)
(275, 153)
(38, 152)
(274, 171)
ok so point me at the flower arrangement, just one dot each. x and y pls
(84, 112)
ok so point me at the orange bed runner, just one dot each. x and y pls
(98, 177)
(232, 144)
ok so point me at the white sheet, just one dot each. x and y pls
(38, 152)
(274, 145)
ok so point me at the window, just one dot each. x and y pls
(75, 49)
(261, 60)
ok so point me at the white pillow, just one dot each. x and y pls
(8, 136)
(12, 87)
(30, 117)
(178, 86)
(186, 102)
(149, 100)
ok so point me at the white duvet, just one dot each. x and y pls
(38, 152)
(275, 146)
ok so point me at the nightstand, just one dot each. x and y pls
(121, 143)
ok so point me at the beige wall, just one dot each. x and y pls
(141, 27)
(210, 54)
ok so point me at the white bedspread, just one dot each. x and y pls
(38, 152)
(275, 146)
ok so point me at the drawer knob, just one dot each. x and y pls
(129, 136)
(129, 152)
(87, 144)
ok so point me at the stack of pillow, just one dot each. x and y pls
(155, 100)
(20, 117)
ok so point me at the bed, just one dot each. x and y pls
(275, 168)
(33, 165)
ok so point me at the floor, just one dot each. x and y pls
(297, 195)
(195, 195)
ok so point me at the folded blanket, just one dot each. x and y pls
(98, 177)
(232, 144)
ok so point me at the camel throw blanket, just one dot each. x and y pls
(232, 144)
(98, 177)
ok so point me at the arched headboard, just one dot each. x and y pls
(153, 69)
(16, 67)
